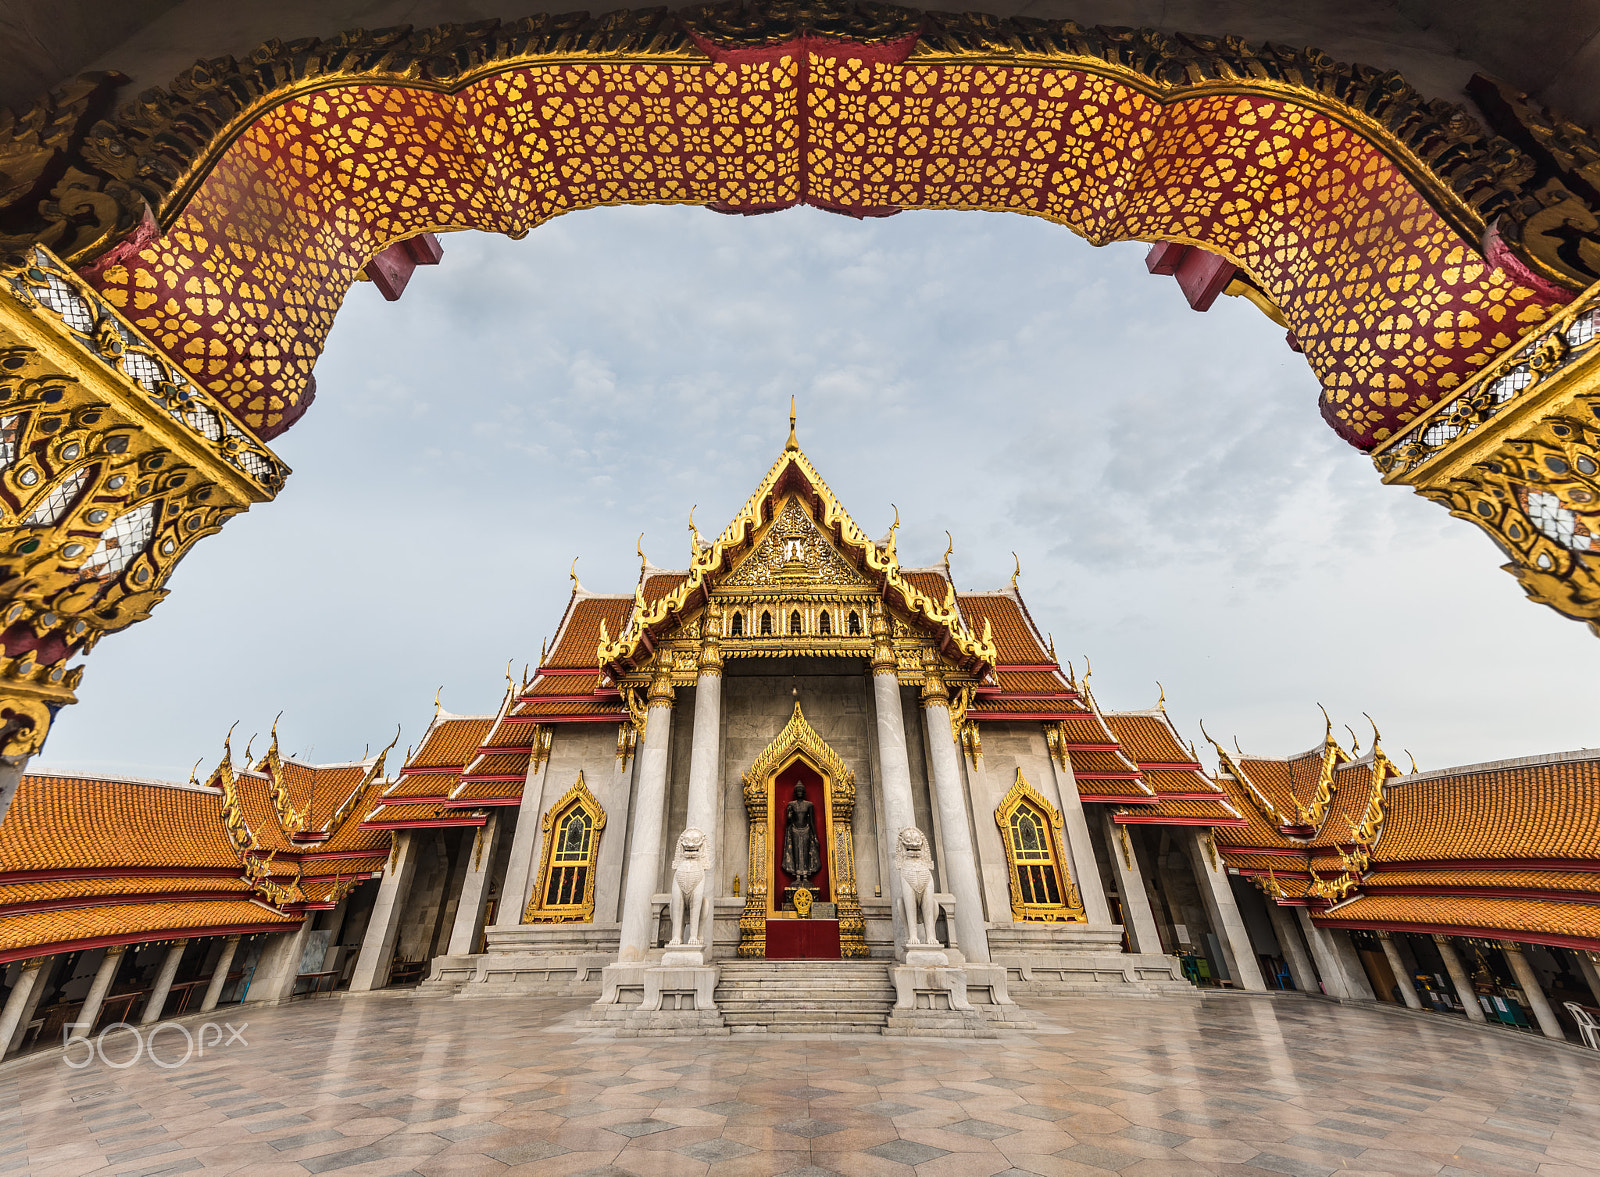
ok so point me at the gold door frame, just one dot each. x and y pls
(800, 741)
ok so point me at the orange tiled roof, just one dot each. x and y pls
(657, 584)
(1186, 812)
(1515, 917)
(1089, 764)
(561, 684)
(1148, 737)
(930, 584)
(47, 889)
(501, 764)
(74, 821)
(450, 742)
(433, 813)
(1012, 631)
(579, 639)
(38, 929)
(472, 792)
(1522, 880)
(1166, 780)
(598, 707)
(1031, 680)
(426, 785)
(1548, 808)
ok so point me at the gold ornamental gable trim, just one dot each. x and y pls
(712, 563)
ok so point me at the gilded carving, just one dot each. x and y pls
(793, 552)
(1030, 830)
(580, 817)
(799, 740)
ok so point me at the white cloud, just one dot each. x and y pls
(1181, 511)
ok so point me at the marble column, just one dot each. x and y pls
(705, 755)
(961, 865)
(893, 760)
(1528, 982)
(1590, 971)
(89, 1012)
(1294, 949)
(517, 888)
(383, 925)
(219, 975)
(1465, 993)
(1139, 920)
(1341, 967)
(10, 779)
(1402, 975)
(279, 967)
(1217, 893)
(1085, 868)
(164, 977)
(41, 985)
(474, 897)
(17, 1004)
(649, 817)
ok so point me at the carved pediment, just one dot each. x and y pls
(794, 552)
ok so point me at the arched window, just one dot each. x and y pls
(1040, 889)
(565, 893)
(853, 624)
(766, 623)
(824, 623)
(736, 628)
(794, 622)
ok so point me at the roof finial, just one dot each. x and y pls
(695, 542)
(644, 560)
(794, 442)
(951, 547)
(1355, 744)
(1087, 669)
(1050, 640)
(1016, 573)
(1161, 702)
(1377, 738)
(436, 695)
(1236, 747)
(1413, 761)
(194, 770)
(577, 585)
(510, 686)
(1327, 735)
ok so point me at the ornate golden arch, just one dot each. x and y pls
(581, 912)
(1070, 908)
(800, 741)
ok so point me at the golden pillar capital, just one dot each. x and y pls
(661, 692)
(934, 691)
(710, 641)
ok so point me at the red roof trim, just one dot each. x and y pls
(1575, 864)
(1272, 851)
(1105, 776)
(1375, 887)
(423, 823)
(419, 799)
(1159, 819)
(1170, 766)
(601, 717)
(71, 902)
(1117, 799)
(485, 802)
(120, 872)
(1027, 667)
(434, 770)
(84, 945)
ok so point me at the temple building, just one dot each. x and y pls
(798, 786)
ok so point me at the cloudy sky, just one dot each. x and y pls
(1180, 510)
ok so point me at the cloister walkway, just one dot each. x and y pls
(388, 1085)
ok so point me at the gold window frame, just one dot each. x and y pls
(582, 912)
(1070, 909)
(800, 741)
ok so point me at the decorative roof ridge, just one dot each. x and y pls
(1003, 592)
(119, 779)
(1576, 755)
(833, 520)
(367, 763)
(1146, 713)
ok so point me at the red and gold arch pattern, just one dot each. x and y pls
(1393, 304)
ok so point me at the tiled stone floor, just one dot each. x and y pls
(381, 1085)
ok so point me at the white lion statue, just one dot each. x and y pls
(688, 884)
(915, 864)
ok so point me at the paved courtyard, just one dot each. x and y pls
(386, 1085)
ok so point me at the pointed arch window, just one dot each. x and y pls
(736, 626)
(766, 623)
(824, 623)
(794, 622)
(572, 827)
(1041, 888)
(853, 624)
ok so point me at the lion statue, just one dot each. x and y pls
(915, 864)
(688, 884)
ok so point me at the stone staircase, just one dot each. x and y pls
(804, 996)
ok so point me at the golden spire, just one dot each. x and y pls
(1016, 573)
(695, 542)
(1050, 642)
(436, 695)
(577, 585)
(1377, 737)
(1413, 759)
(1355, 744)
(793, 445)
(643, 559)
(194, 770)
(1162, 702)
(949, 548)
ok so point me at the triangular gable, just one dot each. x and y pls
(792, 475)
(794, 551)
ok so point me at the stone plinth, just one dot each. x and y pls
(931, 1001)
(552, 960)
(1050, 960)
